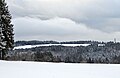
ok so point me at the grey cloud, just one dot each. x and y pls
(57, 29)
(94, 13)
(87, 19)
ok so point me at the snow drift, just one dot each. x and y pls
(57, 70)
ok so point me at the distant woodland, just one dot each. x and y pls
(94, 53)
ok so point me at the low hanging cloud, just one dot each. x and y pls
(94, 13)
(57, 29)
(72, 19)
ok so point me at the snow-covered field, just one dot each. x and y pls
(32, 46)
(57, 70)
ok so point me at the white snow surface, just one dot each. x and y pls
(32, 46)
(11, 69)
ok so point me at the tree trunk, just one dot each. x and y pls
(3, 55)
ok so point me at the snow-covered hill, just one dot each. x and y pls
(32, 46)
(57, 70)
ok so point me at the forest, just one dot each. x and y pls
(94, 53)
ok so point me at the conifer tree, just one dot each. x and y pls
(6, 30)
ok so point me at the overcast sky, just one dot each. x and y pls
(64, 20)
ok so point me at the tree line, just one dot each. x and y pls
(108, 53)
(35, 42)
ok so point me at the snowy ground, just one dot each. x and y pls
(57, 70)
(32, 46)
